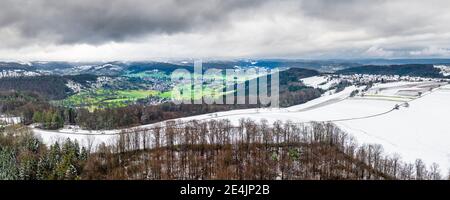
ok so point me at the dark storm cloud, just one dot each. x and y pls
(139, 29)
(98, 21)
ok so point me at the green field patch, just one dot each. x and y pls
(136, 94)
(165, 95)
(102, 98)
(189, 93)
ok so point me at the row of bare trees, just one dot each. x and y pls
(219, 150)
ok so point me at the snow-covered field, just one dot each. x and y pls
(10, 120)
(322, 82)
(92, 139)
(419, 130)
(445, 69)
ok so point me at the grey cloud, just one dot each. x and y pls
(341, 10)
(233, 28)
(382, 17)
(99, 21)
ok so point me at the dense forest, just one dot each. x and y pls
(24, 157)
(421, 70)
(293, 91)
(48, 87)
(11, 101)
(218, 150)
(53, 87)
(209, 150)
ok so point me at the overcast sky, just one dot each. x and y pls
(100, 30)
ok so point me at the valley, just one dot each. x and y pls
(178, 94)
(404, 112)
(412, 127)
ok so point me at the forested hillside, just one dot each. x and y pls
(52, 87)
(421, 70)
(251, 150)
(24, 157)
(208, 150)
(49, 87)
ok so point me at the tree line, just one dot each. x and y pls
(208, 150)
(52, 87)
(24, 157)
(49, 119)
(262, 151)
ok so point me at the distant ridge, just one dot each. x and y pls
(422, 70)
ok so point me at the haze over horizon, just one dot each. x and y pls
(105, 30)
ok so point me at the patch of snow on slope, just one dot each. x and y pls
(83, 67)
(419, 131)
(322, 82)
(86, 140)
(10, 120)
(74, 86)
(445, 70)
(326, 98)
